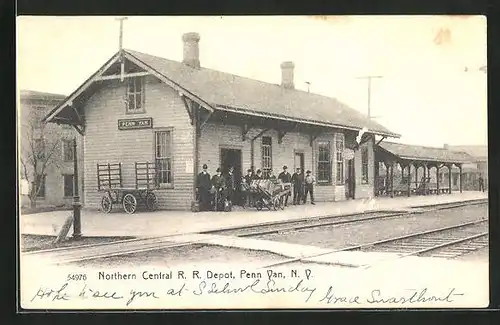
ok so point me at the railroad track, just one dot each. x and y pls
(447, 242)
(288, 226)
(103, 250)
(314, 222)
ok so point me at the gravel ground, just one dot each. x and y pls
(37, 242)
(482, 255)
(193, 254)
(336, 237)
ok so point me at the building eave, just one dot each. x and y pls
(303, 121)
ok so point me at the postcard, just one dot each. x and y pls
(257, 162)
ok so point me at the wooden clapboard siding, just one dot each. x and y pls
(216, 136)
(105, 143)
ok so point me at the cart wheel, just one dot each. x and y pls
(276, 203)
(282, 203)
(129, 203)
(151, 202)
(106, 204)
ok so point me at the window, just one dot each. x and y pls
(364, 165)
(267, 161)
(40, 185)
(163, 155)
(324, 165)
(455, 179)
(68, 185)
(339, 150)
(68, 153)
(39, 149)
(135, 95)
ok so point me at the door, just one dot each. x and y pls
(350, 180)
(298, 161)
(232, 157)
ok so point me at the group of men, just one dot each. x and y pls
(302, 185)
(225, 185)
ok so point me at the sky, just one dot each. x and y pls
(424, 94)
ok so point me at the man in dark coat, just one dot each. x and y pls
(230, 184)
(481, 183)
(245, 188)
(249, 176)
(297, 180)
(203, 185)
(285, 177)
(219, 183)
(258, 175)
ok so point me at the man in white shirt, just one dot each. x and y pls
(309, 182)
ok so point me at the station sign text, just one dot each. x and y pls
(137, 123)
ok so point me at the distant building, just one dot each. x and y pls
(41, 143)
(472, 171)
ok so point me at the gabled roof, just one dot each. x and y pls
(38, 95)
(228, 92)
(231, 92)
(421, 153)
(479, 152)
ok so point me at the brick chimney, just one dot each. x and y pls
(287, 75)
(191, 50)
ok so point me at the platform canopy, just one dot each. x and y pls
(404, 153)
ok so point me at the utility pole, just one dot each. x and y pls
(77, 226)
(369, 78)
(121, 19)
(120, 45)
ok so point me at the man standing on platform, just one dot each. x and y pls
(309, 182)
(218, 182)
(203, 185)
(481, 183)
(230, 183)
(285, 177)
(247, 181)
(297, 180)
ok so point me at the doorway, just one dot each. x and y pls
(232, 157)
(351, 180)
(298, 161)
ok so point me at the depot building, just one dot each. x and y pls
(178, 115)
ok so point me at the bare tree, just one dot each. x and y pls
(40, 150)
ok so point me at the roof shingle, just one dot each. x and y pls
(249, 95)
(422, 153)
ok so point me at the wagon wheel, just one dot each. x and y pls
(151, 202)
(106, 204)
(282, 203)
(275, 203)
(129, 203)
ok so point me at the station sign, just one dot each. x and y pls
(136, 123)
